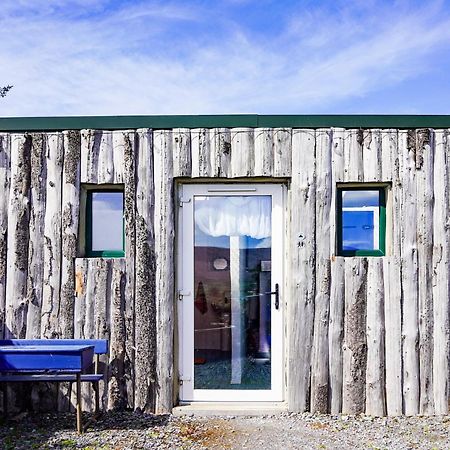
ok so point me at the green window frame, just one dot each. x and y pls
(101, 253)
(381, 251)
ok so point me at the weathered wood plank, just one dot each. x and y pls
(130, 140)
(282, 151)
(201, 152)
(441, 278)
(90, 151)
(372, 161)
(80, 309)
(5, 178)
(116, 366)
(118, 144)
(393, 334)
(145, 297)
(410, 325)
(336, 332)
(264, 152)
(50, 327)
(355, 346)
(105, 164)
(338, 166)
(302, 269)
(181, 152)
(221, 153)
(18, 237)
(337, 289)
(242, 152)
(320, 363)
(70, 217)
(353, 155)
(102, 316)
(388, 153)
(164, 250)
(36, 244)
(425, 198)
(375, 373)
(84, 319)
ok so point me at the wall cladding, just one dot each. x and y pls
(374, 334)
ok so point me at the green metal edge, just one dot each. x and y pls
(222, 121)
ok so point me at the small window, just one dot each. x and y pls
(104, 223)
(361, 221)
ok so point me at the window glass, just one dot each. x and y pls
(106, 221)
(360, 220)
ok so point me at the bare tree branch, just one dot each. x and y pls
(4, 90)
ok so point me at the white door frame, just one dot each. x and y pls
(185, 283)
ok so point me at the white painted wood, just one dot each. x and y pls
(164, 250)
(264, 152)
(18, 237)
(320, 363)
(302, 268)
(242, 152)
(282, 151)
(441, 281)
(375, 374)
(410, 327)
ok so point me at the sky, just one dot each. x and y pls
(124, 57)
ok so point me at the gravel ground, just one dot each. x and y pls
(126, 430)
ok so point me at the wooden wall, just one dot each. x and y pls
(363, 334)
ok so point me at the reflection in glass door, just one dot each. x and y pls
(231, 319)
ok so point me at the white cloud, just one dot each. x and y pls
(169, 58)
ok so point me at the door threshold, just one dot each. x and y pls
(229, 408)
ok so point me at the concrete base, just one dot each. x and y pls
(210, 409)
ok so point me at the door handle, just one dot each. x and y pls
(276, 292)
(277, 296)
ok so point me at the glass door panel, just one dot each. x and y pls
(232, 279)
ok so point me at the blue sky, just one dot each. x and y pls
(107, 57)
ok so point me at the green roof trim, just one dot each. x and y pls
(222, 121)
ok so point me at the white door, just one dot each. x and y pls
(230, 272)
